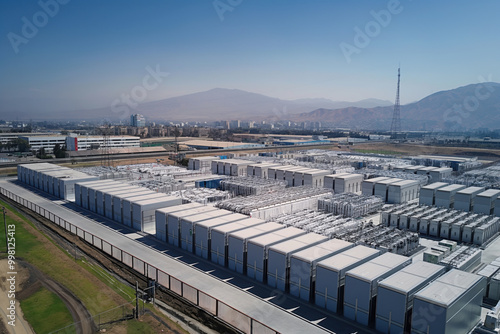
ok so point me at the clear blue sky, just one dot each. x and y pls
(90, 52)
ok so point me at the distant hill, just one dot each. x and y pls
(219, 104)
(471, 106)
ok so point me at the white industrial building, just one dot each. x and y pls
(438, 174)
(82, 143)
(201, 163)
(46, 142)
(368, 185)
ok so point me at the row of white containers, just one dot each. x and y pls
(461, 197)
(466, 227)
(332, 273)
(129, 205)
(53, 179)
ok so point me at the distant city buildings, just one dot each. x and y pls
(137, 120)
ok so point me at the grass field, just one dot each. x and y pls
(45, 311)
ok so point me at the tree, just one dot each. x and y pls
(60, 152)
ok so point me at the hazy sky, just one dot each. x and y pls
(87, 53)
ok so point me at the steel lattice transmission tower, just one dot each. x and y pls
(396, 116)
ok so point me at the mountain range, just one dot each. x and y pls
(471, 106)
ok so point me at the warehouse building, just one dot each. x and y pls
(201, 163)
(395, 296)
(449, 305)
(329, 180)
(83, 143)
(350, 183)
(361, 285)
(428, 193)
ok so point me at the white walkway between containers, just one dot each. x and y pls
(276, 318)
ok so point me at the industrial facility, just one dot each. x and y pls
(349, 243)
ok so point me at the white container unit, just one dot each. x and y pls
(382, 187)
(261, 170)
(293, 175)
(161, 217)
(302, 278)
(127, 202)
(203, 232)
(237, 244)
(329, 180)
(428, 193)
(219, 237)
(395, 295)
(118, 210)
(445, 196)
(496, 211)
(92, 193)
(368, 185)
(464, 199)
(350, 183)
(314, 178)
(440, 173)
(66, 183)
(449, 305)
(100, 195)
(278, 262)
(485, 201)
(330, 276)
(81, 194)
(425, 170)
(143, 212)
(109, 195)
(258, 249)
(187, 227)
(403, 191)
(174, 222)
(361, 285)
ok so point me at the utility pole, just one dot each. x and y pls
(136, 300)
